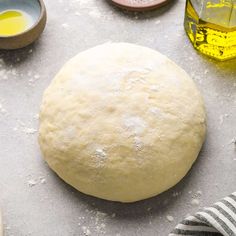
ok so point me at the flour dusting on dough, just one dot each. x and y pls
(154, 88)
(70, 132)
(155, 111)
(99, 152)
(134, 124)
(138, 144)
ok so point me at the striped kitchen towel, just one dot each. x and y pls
(218, 220)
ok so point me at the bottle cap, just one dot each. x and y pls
(140, 5)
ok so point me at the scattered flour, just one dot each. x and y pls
(134, 124)
(176, 194)
(155, 111)
(42, 180)
(36, 116)
(5, 74)
(196, 195)
(95, 13)
(21, 126)
(65, 25)
(154, 88)
(2, 109)
(233, 141)
(86, 231)
(90, 8)
(138, 144)
(33, 79)
(27, 130)
(170, 218)
(85, 3)
(195, 202)
(32, 183)
(199, 193)
(222, 118)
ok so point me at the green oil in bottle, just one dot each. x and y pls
(211, 27)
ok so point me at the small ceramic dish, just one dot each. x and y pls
(140, 5)
(37, 12)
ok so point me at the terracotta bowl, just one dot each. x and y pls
(36, 9)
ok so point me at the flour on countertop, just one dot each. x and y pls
(21, 126)
(199, 193)
(98, 220)
(32, 183)
(3, 111)
(95, 13)
(65, 25)
(195, 202)
(170, 218)
(5, 73)
(90, 8)
(29, 130)
(222, 118)
(42, 180)
(176, 194)
(86, 231)
(233, 141)
(196, 195)
(36, 116)
(33, 79)
(85, 3)
(35, 181)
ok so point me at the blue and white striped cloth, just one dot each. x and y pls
(218, 220)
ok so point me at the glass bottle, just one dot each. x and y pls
(211, 27)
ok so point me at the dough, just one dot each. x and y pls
(121, 122)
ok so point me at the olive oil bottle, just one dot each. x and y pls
(211, 27)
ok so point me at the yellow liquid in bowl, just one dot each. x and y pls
(13, 22)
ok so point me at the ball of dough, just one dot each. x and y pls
(121, 122)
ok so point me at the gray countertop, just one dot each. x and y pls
(33, 199)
